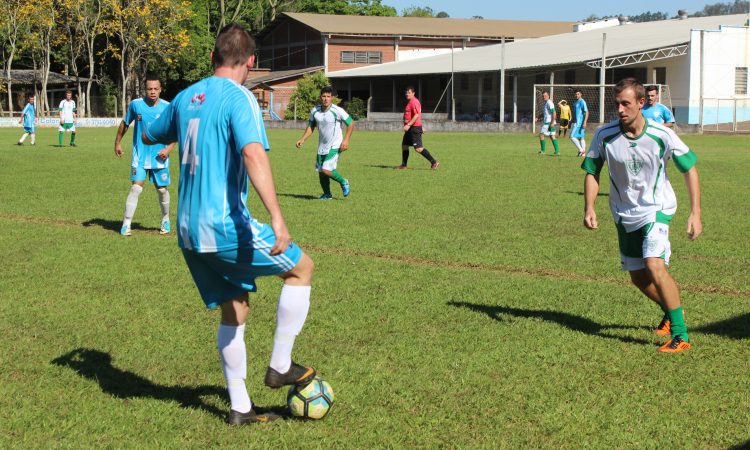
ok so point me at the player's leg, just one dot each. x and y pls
(330, 166)
(641, 279)
(323, 178)
(420, 148)
(553, 136)
(73, 135)
(543, 139)
(405, 143)
(60, 131)
(160, 178)
(137, 178)
(23, 138)
(33, 138)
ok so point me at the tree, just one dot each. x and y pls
(14, 15)
(43, 16)
(345, 7)
(649, 16)
(720, 9)
(418, 11)
(306, 95)
(445, 15)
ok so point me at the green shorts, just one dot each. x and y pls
(328, 161)
(649, 241)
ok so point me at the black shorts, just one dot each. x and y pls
(564, 123)
(413, 137)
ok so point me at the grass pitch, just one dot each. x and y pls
(465, 308)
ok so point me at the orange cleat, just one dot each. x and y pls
(664, 329)
(675, 345)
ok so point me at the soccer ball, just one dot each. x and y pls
(312, 401)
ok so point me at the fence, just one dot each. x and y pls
(726, 115)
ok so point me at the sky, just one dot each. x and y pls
(561, 10)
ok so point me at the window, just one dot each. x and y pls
(357, 57)
(740, 80)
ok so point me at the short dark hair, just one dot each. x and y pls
(233, 47)
(545, 92)
(151, 76)
(631, 83)
(410, 88)
(69, 92)
(326, 90)
(651, 88)
(577, 91)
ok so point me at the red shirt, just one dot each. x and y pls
(413, 108)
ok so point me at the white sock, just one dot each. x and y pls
(131, 203)
(576, 143)
(583, 145)
(164, 202)
(23, 138)
(33, 138)
(294, 302)
(231, 344)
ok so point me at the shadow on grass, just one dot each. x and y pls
(97, 366)
(115, 225)
(741, 446)
(735, 328)
(579, 193)
(570, 321)
(380, 166)
(299, 196)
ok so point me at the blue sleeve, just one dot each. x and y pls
(246, 123)
(164, 128)
(668, 117)
(130, 114)
(585, 107)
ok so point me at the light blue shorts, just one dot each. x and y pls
(159, 177)
(577, 132)
(223, 276)
(28, 130)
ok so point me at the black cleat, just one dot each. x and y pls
(73, 145)
(19, 143)
(238, 418)
(296, 375)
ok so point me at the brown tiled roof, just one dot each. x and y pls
(268, 76)
(425, 26)
(28, 76)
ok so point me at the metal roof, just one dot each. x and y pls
(558, 50)
(424, 26)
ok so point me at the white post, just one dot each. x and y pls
(552, 85)
(501, 110)
(453, 99)
(325, 54)
(700, 91)
(515, 97)
(602, 78)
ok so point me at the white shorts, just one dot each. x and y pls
(327, 162)
(548, 129)
(67, 126)
(653, 243)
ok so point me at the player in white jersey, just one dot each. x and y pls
(68, 118)
(28, 119)
(642, 201)
(150, 161)
(549, 118)
(328, 119)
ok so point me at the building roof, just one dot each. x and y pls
(559, 50)
(29, 76)
(423, 26)
(266, 76)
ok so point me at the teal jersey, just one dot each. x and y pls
(658, 113)
(139, 111)
(29, 115)
(212, 120)
(581, 109)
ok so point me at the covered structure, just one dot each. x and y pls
(495, 82)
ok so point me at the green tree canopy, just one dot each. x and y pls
(307, 94)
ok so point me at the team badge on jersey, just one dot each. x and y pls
(634, 165)
(196, 101)
(139, 118)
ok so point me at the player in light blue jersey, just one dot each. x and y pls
(223, 145)
(581, 119)
(28, 119)
(150, 161)
(654, 110)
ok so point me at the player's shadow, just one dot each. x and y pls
(380, 166)
(579, 193)
(299, 196)
(115, 225)
(570, 321)
(97, 366)
(741, 446)
(735, 328)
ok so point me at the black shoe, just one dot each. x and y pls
(72, 144)
(19, 143)
(296, 375)
(238, 418)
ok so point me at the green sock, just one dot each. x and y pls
(59, 137)
(337, 177)
(543, 143)
(678, 324)
(554, 143)
(325, 183)
(73, 139)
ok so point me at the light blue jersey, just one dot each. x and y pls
(581, 109)
(145, 156)
(658, 113)
(212, 120)
(29, 114)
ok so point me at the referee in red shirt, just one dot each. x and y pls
(413, 131)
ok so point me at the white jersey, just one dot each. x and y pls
(329, 127)
(67, 108)
(640, 189)
(549, 109)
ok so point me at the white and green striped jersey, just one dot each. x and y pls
(68, 107)
(329, 127)
(549, 109)
(640, 190)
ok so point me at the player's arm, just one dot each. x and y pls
(585, 119)
(121, 130)
(590, 192)
(694, 225)
(308, 132)
(345, 143)
(164, 153)
(414, 118)
(668, 118)
(258, 168)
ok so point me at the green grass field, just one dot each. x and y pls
(462, 308)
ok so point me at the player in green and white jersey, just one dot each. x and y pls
(643, 202)
(328, 118)
(68, 117)
(549, 117)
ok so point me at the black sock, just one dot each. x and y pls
(325, 183)
(427, 156)
(404, 157)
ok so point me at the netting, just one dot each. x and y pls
(593, 94)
